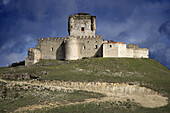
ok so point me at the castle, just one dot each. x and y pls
(82, 42)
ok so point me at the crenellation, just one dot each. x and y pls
(143, 49)
(133, 46)
(111, 41)
(96, 36)
(82, 42)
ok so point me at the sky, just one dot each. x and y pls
(142, 22)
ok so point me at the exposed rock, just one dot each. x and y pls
(18, 76)
(44, 72)
(21, 63)
(133, 46)
(114, 91)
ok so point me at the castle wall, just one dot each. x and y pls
(81, 43)
(118, 49)
(52, 48)
(77, 22)
(141, 53)
(121, 50)
(129, 53)
(34, 55)
(90, 46)
(72, 49)
(110, 50)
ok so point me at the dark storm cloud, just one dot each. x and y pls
(165, 29)
(144, 22)
(22, 22)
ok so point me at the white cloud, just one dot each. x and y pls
(8, 45)
(16, 50)
(6, 2)
(10, 58)
(28, 38)
(14, 57)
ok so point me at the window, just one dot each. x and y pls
(110, 46)
(96, 47)
(82, 29)
(84, 47)
(52, 49)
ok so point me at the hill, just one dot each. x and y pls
(86, 85)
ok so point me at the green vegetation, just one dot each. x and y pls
(104, 107)
(148, 72)
(16, 97)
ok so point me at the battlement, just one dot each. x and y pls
(51, 39)
(90, 37)
(143, 49)
(82, 24)
(82, 43)
(112, 42)
(80, 16)
(63, 38)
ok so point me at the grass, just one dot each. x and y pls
(17, 97)
(104, 107)
(148, 72)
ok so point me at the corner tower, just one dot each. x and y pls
(82, 24)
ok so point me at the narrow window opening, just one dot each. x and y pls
(96, 46)
(84, 47)
(52, 49)
(110, 46)
(82, 29)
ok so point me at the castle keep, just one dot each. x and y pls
(81, 42)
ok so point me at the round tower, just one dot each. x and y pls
(72, 49)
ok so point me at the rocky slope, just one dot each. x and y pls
(124, 82)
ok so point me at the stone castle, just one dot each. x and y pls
(82, 42)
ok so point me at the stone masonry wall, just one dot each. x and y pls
(72, 49)
(90, 46)
(82, 25)
(34, 55)
(141, 53)
(51, 48)
(118, 49)
(81, 43)
(110, 50)
(83, 46)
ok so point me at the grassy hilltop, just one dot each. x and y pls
(145, 72)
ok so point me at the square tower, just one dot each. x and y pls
(82, 24)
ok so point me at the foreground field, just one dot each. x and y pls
(141, 72)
